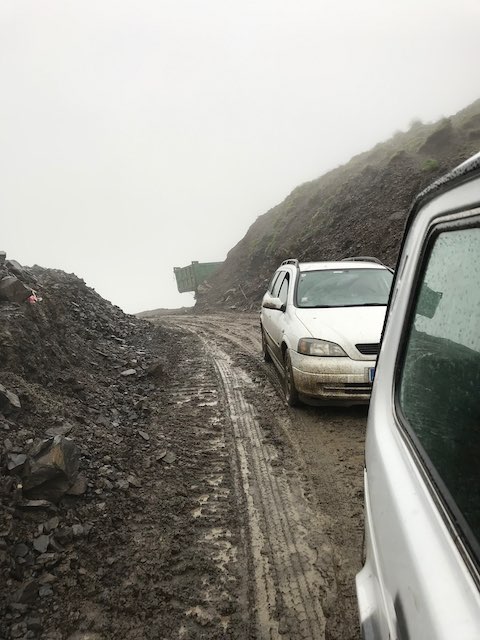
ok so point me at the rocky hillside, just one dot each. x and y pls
(356, 209)
(97, 538)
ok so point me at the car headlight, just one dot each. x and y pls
(316, 347)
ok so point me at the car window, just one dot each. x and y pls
(273, 281)
(283, 292)
(439, 379)
(277, 284)
(343, 288)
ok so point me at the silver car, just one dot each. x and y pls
(422, 472)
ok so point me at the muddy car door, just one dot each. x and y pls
(270, 315)
(422, 480)
(277, 327)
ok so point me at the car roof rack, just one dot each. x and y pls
(367, 259)
(290, 261)
(363, 259)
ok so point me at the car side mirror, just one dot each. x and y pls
(273, 303)
(428, 301)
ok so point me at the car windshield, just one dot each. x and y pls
(343, 288)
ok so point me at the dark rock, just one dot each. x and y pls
(16, 268)
(34, 624)
(79, 487)
(13, 290)
(45, 591)
(156, 369)
(41, 543)
(18, 630)
(48, 560)
(16, 461)
(26, 593)
(135, 482)
(64, 535)
(169, 458)
(21, 550)
(9, 401)
(61, 430)
(51, 524)
(53, 470)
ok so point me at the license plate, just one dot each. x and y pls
(371, 374)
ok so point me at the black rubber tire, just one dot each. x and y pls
(291, 393)
(266, 355)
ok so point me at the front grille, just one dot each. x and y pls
(371, 349)
(350, 388)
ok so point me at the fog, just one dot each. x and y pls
(139, 136)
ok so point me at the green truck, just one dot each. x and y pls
(189, 278)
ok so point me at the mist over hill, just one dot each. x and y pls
(356, 209)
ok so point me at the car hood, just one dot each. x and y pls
(346, 326)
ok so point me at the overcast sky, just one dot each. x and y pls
(136, 136)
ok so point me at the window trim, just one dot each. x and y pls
(273, 282)
(287, 278)
(463, 537)
(278, 279)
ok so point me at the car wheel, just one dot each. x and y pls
(266, 354)
(291, 393)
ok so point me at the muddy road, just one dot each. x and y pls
(280, 507)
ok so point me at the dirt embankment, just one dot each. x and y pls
(101, 468)
(356, 209)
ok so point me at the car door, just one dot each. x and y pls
(270, 316)
(422, 491)
(278, 317)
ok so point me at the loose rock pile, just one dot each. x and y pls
(75, 416)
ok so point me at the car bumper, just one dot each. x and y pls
(332, 379)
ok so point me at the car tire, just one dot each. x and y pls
(266, 354)
(291, 393)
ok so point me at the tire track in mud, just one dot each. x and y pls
(198, 404)
(288, 585)
(309, 455)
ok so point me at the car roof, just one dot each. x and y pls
(343, 264)
(468, 170)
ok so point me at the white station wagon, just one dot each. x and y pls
(321, 324)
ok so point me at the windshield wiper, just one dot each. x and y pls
(371, 304)
(342, 306)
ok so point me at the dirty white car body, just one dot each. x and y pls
(422, 472)
(326, 352)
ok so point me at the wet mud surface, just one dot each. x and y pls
(209, 509)
(298, 477)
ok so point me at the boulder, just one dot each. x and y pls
(13, 290)
(53, 469)
(9, 401)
